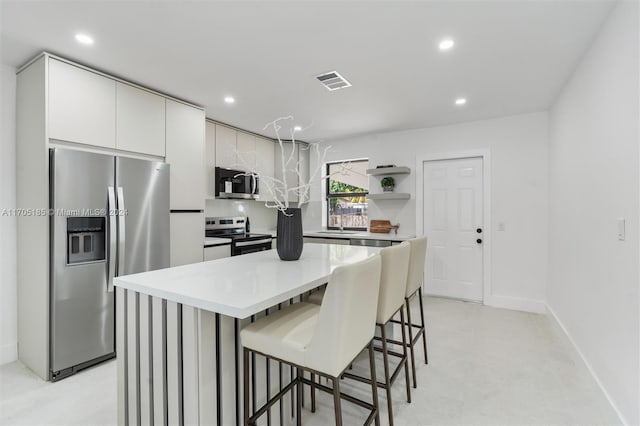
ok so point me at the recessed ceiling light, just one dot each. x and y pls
(229, 99)
(461, 101)
(446, 44)
(297, 128)
(84, 39)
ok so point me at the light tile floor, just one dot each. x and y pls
(486, 366)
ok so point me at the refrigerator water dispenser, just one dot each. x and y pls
(85, 239)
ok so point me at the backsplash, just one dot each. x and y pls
(261, 217)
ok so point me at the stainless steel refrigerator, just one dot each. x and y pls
(109, 217)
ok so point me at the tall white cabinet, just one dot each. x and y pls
(63, 103)
(186, 155)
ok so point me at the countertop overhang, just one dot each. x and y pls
(242, 286)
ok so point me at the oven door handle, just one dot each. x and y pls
(253, 243)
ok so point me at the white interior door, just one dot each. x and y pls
(453, 223)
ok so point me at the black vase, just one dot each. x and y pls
(289, 240)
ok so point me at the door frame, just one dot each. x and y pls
(485, 155)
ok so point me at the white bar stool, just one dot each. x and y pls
(393, 285)
(316, 339)
(415, 279)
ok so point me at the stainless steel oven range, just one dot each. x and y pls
(237, 228)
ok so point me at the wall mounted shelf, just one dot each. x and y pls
(383, 171)
(389, 196)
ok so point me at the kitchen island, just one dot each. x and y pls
(178, 334)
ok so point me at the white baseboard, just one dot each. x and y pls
(517, 304)
(8, 353)
(587, 364)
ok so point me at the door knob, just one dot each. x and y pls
(479, 230)
(479, 241)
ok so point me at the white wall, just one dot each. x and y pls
(594, 277)
(519, 189)
(8, 283)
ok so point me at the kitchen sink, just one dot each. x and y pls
(337, 232)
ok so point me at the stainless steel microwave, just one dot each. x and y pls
(236, 184)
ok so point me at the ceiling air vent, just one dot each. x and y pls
(333, 81)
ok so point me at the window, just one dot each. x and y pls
(347, 189)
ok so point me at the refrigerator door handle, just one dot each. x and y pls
(111, 200)
(122, 213)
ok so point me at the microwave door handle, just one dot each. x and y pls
(121, 230)
(111, 204)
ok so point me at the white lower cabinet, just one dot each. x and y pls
(217, 252)
(187, 238)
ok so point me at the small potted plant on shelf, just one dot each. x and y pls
(388, 183)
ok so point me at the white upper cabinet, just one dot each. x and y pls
(140, 120)
(226, 147)
(245, 152)
(185, 154)
(210, 159)
(82, 105)
(304, 166)
(291, 163)
(265, 166)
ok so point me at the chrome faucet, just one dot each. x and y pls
(341, 223)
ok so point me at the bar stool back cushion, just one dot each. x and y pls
(416, 264)
(393, 280)
(347, 317)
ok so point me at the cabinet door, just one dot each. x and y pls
(304, 167)
(287, 173)
(187, 238)
(140, 120)
(210, 159)
(265, 167)
(185, 153)
(225, 147)
(82, 105)
(246, 152)
(217, 252)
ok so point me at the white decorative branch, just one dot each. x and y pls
(279, 188)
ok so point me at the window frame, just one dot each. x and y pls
(329, 195)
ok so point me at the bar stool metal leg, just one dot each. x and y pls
(385, 358)
(424, 327)
(299, 397)
(404, 351)
(313, 393)
(336, 401)
(374, 383)
(245, 376)
(413, 356)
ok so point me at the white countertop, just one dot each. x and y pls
(242, 286)
(359, 235)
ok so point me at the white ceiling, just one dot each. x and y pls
(510, 56)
